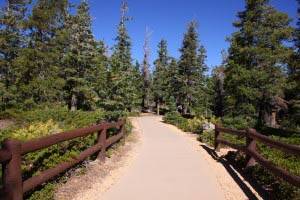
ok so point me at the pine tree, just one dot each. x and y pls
(217, 81)
(201, 104)
(120, 74)
(160, 76)
(40, 83)
(80, 60)
(98, 73)
(172, 83)
(190, 69)
(255, 78)
(138, 87)
(12, 18)
(293, 91)
(147, 80)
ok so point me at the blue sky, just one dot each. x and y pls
(168, 20)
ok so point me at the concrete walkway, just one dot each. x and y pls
(167, 168)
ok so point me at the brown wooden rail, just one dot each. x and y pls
(253, 156)
(12, 150)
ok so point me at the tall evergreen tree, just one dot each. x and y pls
(98, 73)
(120, 73)
(79, 61)
(172, 82)
(218, 96)
(138, 87)
(293, 91)
(190, 69)
(160, 74)
(12, 18)
(254, 77)
(40, 60)
(201, 104)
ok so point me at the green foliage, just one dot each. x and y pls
(207, 137)
(40, 58)
(239, 122)
(161, 79)
(46, 192)
(254, 76)
(194, 125)
(124, 89)
(66, 119)
(173, 118)
(12, 17)
(191, 68)
(80, 61)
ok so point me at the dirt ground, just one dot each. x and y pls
(6, 123)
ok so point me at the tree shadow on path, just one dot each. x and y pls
(228, 166)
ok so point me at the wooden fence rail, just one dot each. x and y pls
(12, 150)
(253, 156)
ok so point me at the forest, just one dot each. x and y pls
(50, 59)
(53, 71)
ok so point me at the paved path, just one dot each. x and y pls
(167, 168)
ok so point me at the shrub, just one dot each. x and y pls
(207, 137)
(196, 125)
(173, 117)
(239, 122)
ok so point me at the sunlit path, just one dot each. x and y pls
(167, 168)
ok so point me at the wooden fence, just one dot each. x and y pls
(253, 156)
(12, 150)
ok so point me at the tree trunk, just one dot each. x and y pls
(157, 107)
(273, 120)
(185, 110)
(73, 103)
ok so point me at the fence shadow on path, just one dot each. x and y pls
(228, 166)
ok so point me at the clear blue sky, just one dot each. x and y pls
(168, 20)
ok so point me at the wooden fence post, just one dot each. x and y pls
(217, 136)
(12, 171)
(250, 145)
(102, 141)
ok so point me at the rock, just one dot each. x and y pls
(208, 126)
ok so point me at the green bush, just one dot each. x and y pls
(207, 137)
(239, 122)
(194, 125)
(173, 117)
